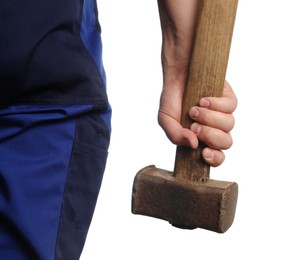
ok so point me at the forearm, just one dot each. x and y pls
(178, 20)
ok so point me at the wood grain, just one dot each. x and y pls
(206, 76)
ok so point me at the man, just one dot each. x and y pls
(55, 119)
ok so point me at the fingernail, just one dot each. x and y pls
(208, 155)
(196, 128)
(194, 112)
(204, 102)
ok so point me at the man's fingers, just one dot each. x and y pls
(219, 120)
(225, 104)
(213, 157)
(212, 137)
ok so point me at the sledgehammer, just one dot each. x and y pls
(187, 198)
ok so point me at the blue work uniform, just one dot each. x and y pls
(54, 126)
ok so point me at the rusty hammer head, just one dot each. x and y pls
(210, 205)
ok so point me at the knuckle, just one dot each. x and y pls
(205, 117)
(217, 139)
(230, 123)
(235, 103)
(221, 158)
(229, 142)
(209, 137)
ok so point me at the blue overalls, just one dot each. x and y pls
(54, 126)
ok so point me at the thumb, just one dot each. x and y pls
(176, 133)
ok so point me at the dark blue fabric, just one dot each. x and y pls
(54, 126)
(83, 183)
(50, 53)
(91, 35)
(36, 146)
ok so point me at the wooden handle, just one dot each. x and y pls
(206, 75)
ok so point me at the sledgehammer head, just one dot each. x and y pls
(210, 205)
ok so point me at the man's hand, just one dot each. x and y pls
(213, 121)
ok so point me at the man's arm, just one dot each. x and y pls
(213, 117)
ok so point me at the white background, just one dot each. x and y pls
(260, 161)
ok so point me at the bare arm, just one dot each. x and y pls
(213, 118)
